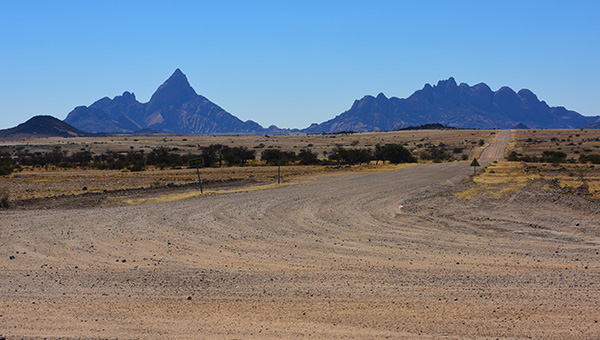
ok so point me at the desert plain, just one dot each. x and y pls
(393, 252)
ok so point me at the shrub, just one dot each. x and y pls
(554, 157)
(6, 164)
(4, 197)
(396, 153)
(594, 159)
(307, 157)
(272, 156)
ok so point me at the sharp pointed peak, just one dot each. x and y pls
(174, 91)
(177, 72)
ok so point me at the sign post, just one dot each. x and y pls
(197, 163)
(474, 164)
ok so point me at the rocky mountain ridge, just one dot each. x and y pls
(461, 106)
(175, 107)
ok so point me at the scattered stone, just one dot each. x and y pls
(10, 258)
(189, 298)
(84, 188)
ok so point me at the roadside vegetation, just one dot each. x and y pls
(214, 155)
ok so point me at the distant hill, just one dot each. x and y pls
(434, 126)
(520, 126)
(447, 103)
(174, 108)
(595, 125)
(42, 126)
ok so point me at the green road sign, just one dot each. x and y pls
(196, 162)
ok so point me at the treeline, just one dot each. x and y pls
(215, 155)
(393, 153)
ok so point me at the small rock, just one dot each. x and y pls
(189, 298)
(84, 188)
(10, 258)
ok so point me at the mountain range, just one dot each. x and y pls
(461, 106)
(175, 107)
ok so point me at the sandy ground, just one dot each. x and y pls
(366, 256)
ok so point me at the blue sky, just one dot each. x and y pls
(292, 63)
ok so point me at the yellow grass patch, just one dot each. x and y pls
(499, 179)
(197, 193)
(504, 177)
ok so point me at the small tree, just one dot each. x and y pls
(272, 156)
(238, 155)
(379, 154)
(308, 157)
(396, 153)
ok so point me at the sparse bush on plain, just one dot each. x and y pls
(6, 164)
(4, 198)
(594, 159)
(548, 156)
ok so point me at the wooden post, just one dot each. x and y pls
(199, 180)
(279, 168)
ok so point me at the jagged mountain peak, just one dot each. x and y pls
(173, 92)
(175, 107)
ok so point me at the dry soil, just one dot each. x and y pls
(367, 256)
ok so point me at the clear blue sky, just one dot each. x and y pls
(291, 63)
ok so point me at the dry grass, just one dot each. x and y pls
(498, 179)
(197, 193)
(504, 177)
(573, 142)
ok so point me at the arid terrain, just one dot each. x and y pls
(420, 251)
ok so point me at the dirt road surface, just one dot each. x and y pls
(496, 150)
(365, 256)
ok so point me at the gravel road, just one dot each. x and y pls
(375, 255)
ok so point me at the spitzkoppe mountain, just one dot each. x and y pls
(454, 105)
(175, 107)
(42, 126)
